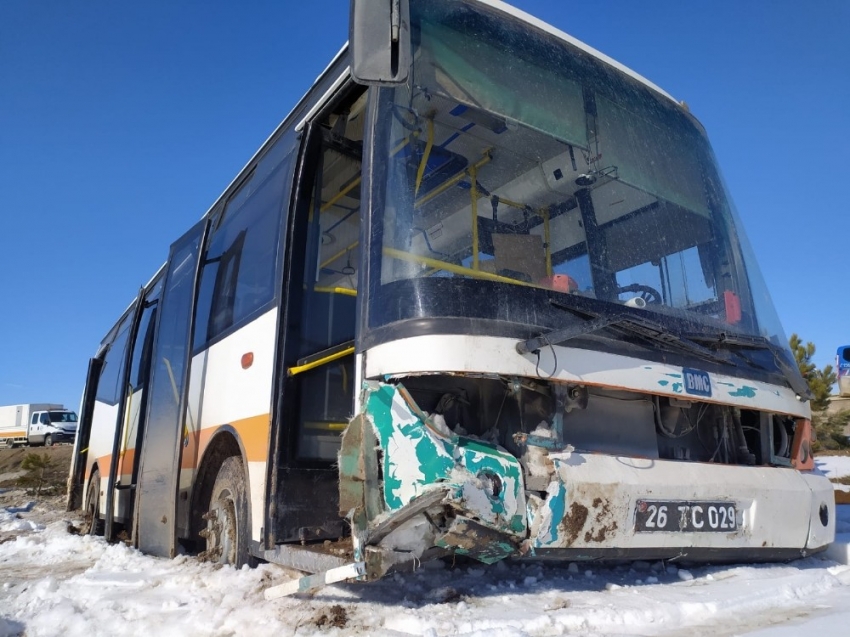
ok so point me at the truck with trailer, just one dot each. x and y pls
(36, 424)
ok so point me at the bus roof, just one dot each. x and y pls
(548, 28)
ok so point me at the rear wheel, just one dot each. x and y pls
(227, 533)
(92, 524)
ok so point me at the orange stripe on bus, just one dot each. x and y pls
(253, 432)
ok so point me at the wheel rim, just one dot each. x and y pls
(91, 510)
(221, 530)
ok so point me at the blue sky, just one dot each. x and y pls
(121, 123)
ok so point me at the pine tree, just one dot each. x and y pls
(820, 381)
(37, 468)
(829, 428)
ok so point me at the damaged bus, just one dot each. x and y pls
(483, 292)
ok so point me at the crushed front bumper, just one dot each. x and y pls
(411, 489)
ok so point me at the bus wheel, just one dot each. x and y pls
(227, 534)
(92, 524)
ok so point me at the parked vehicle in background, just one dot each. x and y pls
(842, 369)
(514, 262)
(37, 424)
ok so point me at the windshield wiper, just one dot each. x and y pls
(639, 326)
(726, 340)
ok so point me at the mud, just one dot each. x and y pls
(334, 617)
(573, 522)
(601, 533)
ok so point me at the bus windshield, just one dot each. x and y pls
(519, 170)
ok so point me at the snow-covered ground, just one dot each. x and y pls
(53, 582)
(833, 466)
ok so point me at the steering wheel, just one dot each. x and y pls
(646, 292)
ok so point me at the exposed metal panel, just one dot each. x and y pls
(156, 499)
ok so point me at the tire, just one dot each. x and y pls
(92, 524)
(227, 534)
(48, 440)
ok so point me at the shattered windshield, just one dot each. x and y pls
(515, 162)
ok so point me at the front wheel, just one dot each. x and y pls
(227, 533)
(48, 440)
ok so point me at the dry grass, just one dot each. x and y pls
(832, 452)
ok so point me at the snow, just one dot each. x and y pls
(53, 582)
(833, 466)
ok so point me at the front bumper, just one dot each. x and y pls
(61, 436)
(589, 510)
(464, 496)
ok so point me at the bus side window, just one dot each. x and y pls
(108, 389)
(239, 267)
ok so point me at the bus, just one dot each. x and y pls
(483, 292)
(842, 368)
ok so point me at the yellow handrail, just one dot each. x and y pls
(451, 267)
(330, 260)
(420, 173)
(298, 369)
(335, 290)
(451, 182)
(126, 425)
(511, 203)
(341, 194)
(325, 426)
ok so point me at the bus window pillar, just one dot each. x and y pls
(604, 281)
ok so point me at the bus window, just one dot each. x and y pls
(110, 379)
(238, 277)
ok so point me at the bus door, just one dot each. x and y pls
(162, 436)
(81, 443)
(318, 372)
(131, 426)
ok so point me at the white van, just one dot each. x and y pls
(37, 424)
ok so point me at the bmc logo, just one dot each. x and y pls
(697, 382)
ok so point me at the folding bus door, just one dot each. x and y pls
(319, 374)
(123, 472)
(81, 444)
(159, 461)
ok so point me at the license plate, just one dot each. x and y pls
(685, 517)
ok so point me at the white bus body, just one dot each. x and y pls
(498, 306)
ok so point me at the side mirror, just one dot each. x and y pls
(379, 40)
